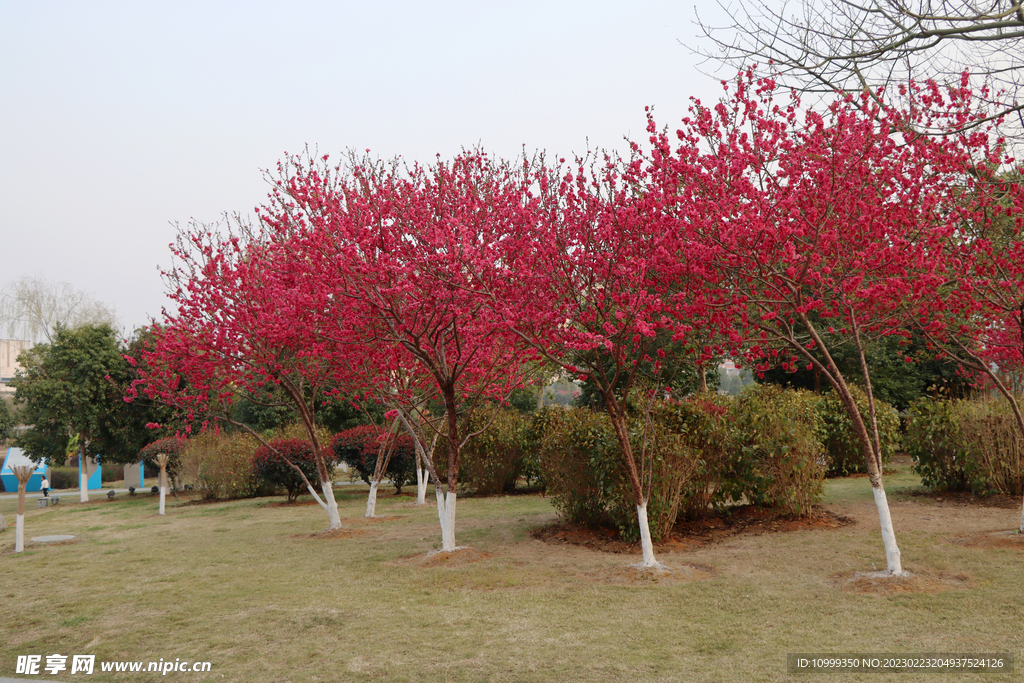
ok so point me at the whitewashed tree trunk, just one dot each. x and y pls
(331, 504)
(161, 459)
(892, 551)
(446, 515)
(22, 473)
(421, 485)
(645, 538)
(371, 501)
(83, 477)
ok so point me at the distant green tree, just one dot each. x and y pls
(902, 371)
(8, 420)
(131, 425)
(70, 386)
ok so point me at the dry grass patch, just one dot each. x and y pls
(647, 576)
(459, 557)
(223, 583)
(992, 539)
(331, 534)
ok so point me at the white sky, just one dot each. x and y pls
(120, 118)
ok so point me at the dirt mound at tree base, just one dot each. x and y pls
(877, 583)
(716, 527)
(992, 539)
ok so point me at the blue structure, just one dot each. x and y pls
(16, 457)
(96, 480)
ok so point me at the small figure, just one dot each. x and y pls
(46, 487)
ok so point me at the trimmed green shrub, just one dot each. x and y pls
(995, 447)
(358, 448)
(272, 469)
(492, 461)
(109, 473)
(935, 442)
(581, 461)
(704, 426)
(219, 465)
(568, 443)
(961, 445)
(776, 460)
(63, 477)
(843, 451)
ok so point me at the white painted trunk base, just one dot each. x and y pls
(892, 551)
(19, 533)
(332, 505)
(163, 499)
(83, 483)
(645, 538)
(371, 501)
(421, 486)
(446, 515)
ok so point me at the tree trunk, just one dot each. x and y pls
(421, 479)
(83, 472)
(371, 500)
(161, 459)
(702, 380)
(446, 515)
(23, 473)
(646, 546)
(873, 461)
(870, 447)
(332, 505)
(622, 432)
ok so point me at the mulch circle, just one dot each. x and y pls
(690, 535)
(878, 583)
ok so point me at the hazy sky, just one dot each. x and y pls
(118, 119)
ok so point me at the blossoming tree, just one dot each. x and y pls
(401, 255)
(822, 222)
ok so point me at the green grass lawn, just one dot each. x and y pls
(244, 586)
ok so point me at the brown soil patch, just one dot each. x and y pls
(439, 558)
(718, 526)
(915, 582)
(328, 534)
(648, 576)
(963, 498)
(992, 539)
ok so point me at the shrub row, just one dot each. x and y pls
(966, 445)
(770, 446)
(63, 477)
(360, 446)
(270, 466)
(705, 451)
